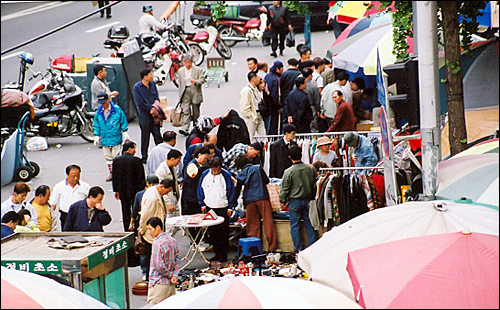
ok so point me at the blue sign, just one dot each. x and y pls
(385, 133)
(380, 84)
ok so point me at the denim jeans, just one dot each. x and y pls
(299, 209)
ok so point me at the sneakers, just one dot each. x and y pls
(144, 277)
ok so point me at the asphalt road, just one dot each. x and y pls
(23, 21)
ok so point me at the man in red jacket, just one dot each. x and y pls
(344, 120)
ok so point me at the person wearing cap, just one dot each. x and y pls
(250, 97)
(364, 154)
(99, 85)
(272, 80)
(191, 78)
(297, 110)
(145, 94)
(110, 127)
(344, 120)
(148, 23)
(252, 151)
(128, 176)
(279, 23)
(324, 153)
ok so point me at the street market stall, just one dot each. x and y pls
(92, 262)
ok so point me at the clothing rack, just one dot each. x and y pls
(349, 168)
(258, 138)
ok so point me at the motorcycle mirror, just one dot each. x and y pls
(196, 22)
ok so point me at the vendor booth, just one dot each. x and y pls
(92, 262)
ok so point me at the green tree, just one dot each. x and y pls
(452, 29)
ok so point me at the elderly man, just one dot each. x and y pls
(190, 94)
(328, 108)
(364, 153)
(344, 120)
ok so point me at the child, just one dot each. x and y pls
(325, 154)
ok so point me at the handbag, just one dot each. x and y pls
(176, 117)
(290, 39)
(139, 245)
(274, 194)
(266, 38)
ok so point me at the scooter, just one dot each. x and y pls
(237, 30)
(209, 39)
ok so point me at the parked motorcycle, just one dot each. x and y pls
(209, 39)
(241, 29)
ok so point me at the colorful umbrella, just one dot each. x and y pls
(471, 176)
(25, 290)
(490, 146)
(363, 23)
(445, 271)
(325, 261)
(360, 50)
(350, 11)
(259, 293)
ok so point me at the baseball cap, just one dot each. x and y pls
(277, 64)
(102, 98)
(351, 138)
(153, 179)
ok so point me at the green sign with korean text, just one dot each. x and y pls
(108, 252)
(43, 267)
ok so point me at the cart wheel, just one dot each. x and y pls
(35, 167)
(226, 76)
(23, 173)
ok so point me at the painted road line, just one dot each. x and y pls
(37, 9)
(102, 27)
(11, 55)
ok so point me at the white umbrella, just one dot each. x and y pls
(325, 261)
(259, 293)
(26, 290)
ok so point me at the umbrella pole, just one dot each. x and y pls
(429, 97)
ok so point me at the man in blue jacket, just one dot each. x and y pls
(272, 80)
(110, 126)
(88, 214)
(215, 192)
(297, 109)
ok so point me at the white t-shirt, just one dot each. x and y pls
(9, 205)
(63, 195)
(318, 79)
(329, 158)
(214, 187)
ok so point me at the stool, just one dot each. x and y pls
(250, 246)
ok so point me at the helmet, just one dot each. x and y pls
(27, 57)
(147, 8)
(204, 124)
(118, 32)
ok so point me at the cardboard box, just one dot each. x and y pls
(168, 113)
(163, 101)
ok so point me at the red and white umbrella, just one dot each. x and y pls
(259, 293)
(445, 271)
(26, 290)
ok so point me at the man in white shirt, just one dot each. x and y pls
(68, 191)
(17, 202)
(215, 192)
(328, 106)
(319, 67)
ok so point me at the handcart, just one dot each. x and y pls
(15, 165)
(216, 70)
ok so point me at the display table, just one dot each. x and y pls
(181, 222)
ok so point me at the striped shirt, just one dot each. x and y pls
(229, 164)
(165, 260)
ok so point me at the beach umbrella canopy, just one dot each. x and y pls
(25, 290)
(259, 293)
(489, 146)
(325, 260)
(360, 50)
(349, 11)
(471, 176)
(364, 23)
(446, 271)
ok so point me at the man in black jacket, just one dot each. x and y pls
(278, 22)
(232, 130)
(279, 160)
(128, 178)
(297, 109)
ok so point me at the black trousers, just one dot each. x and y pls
(108, 10)
(63, 219)
(275, 32)
(219, 234)
(127, 202)
(148, 127)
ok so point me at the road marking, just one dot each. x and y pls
(11, 55)
(37, 9)
(102, 27)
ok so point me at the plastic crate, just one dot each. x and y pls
(81, 64)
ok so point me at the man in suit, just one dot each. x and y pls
(190, 94)
(279, 160)
(128, 177)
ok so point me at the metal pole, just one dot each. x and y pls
(429, 95)
(415, 30)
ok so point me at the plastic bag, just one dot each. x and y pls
(37, 144)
